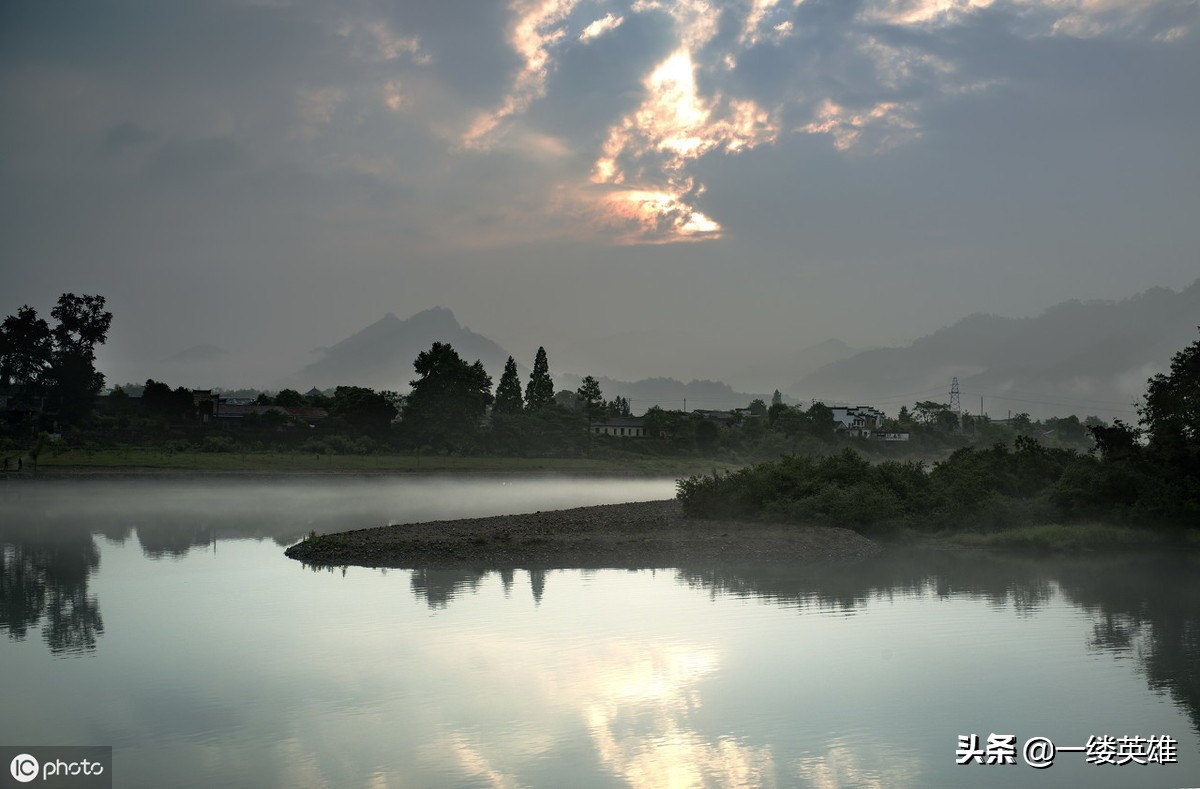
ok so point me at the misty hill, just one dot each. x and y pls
(667, 393)
(381, 355)
(777, 372)
(196, 353)
(1076, 357)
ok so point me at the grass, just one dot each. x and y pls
(134, 459)
(1057, 537)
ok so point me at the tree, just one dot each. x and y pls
(539, 392)
(289, 398)
(929, 413)
(903, 417)
(590, 397)
(362, 410)
(758, 408)
(26, 349)
(58, 363)
(777, 398)
(618, 406)
(448, 402)
(170, 405)
(1171, 411)
(508, 391)
(820, 420)
(1171, 415)
(82, 325)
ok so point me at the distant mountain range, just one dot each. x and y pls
(381, 356)
(1076, 357)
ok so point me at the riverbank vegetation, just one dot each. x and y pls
(1144, 478)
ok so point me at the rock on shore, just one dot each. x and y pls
(636, 535)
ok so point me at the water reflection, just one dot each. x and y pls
(1144, 607)
(507, 676)
(48, 551)
(44, 583)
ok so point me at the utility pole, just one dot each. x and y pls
(956, 402)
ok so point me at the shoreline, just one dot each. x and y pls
(149, 462)
(635, 535)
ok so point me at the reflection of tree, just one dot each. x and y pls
(44, 577)
(439, 586)
(1148, 607)
(1145, 607)
(172, 539)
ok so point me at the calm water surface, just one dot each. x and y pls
(160, 616)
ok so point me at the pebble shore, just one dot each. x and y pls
(635, 535)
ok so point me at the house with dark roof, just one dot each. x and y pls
(620, 426)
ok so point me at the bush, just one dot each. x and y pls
(983, 490)
(217, 444)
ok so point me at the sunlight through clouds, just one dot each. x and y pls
(696, 101)
(538, 26)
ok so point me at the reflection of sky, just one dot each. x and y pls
(238, 666)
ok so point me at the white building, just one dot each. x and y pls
(858, 420)
(621, 426)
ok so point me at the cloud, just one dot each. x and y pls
(886, 124)
(601, 26)
(376, 40)
(865, 86)
(1073, 18)
(538, 25)
(650, 148)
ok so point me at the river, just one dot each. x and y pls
(159, 615)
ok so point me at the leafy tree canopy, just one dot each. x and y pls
(447, 403)
(362, 410)
(58, 362)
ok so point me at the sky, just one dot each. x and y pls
(698, 185)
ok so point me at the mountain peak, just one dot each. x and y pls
(382, 353)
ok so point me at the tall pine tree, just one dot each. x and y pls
(590, 397)
(508, 391)
(539, 392)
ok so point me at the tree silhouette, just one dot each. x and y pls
(539, 392)
(508, 391)
(57, 364)
(591, 398)
(448, 402)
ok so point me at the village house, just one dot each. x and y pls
(860, 421)
(621, 426)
